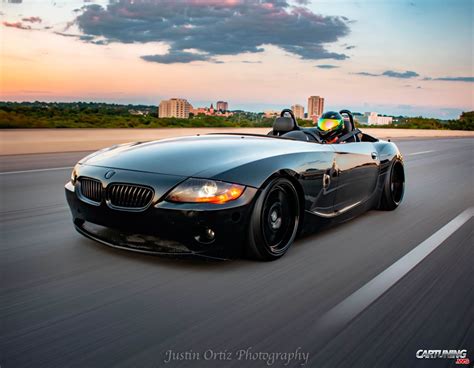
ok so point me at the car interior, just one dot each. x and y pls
(286, 126)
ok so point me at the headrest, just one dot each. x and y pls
(348, 126)
(283, 125)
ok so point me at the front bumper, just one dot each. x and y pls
(164, 227)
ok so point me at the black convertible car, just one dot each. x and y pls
(233, 193)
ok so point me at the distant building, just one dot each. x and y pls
(298, 110)
(222, 106)
(315, 107)
(200, 110)
(137, 112)
(210, 111)
(372, 118)
(271, 113)
(174, 108)
(384, 120)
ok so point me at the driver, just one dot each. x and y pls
(330, 126)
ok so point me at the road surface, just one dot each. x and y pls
(68, 301)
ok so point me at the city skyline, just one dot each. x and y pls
(400, 58)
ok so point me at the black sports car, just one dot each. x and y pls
(234, 193)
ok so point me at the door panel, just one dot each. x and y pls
(319, 181)
(357, 166)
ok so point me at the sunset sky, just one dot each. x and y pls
(395, 56)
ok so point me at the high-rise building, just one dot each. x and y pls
(298, 110)
(222, 106)
(174, 108)
(315, 107)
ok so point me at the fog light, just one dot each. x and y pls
(210, 234)
(207, 236)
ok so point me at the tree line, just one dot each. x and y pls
(103, 115)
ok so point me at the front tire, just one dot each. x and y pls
(274, 221)
(394, 187)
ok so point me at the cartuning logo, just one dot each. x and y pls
(459, 355)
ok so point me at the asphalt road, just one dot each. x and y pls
(66, 301)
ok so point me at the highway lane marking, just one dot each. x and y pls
(339, 316)
(418, 153)
(35, 170)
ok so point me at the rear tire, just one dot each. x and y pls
(274, 221)
(394, 187)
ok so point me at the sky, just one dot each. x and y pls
(413, 57)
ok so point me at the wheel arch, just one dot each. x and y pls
(292, 176)
(398, 162)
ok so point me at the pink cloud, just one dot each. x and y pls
(17, 25)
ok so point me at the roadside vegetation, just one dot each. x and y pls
(465, 122)
(101, 115)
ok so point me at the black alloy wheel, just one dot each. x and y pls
(274, 221)
(394, 187)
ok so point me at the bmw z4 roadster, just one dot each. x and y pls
(242, 194)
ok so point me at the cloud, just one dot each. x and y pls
(350, 47)
(326, 66)
(404, 75)
(17, 25)
(453, 79)
(81, 37)
(302, 2)
(64, 34)
(390, 73)
(313, 52)
(251, 62)
(215, 27)
(368, 74)
(177, 57)
(20, 25)
(32, 19)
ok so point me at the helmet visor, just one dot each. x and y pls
(328, 124)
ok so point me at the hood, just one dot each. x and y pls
(190, 156)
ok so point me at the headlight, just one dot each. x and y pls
(205, 191)
(74, 174)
